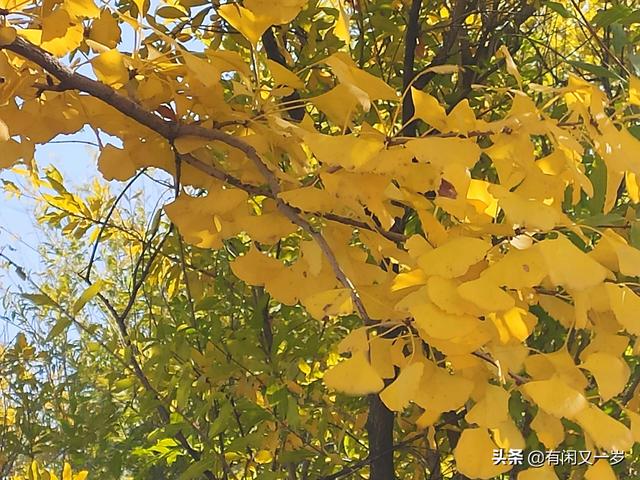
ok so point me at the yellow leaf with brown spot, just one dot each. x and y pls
(569, 267)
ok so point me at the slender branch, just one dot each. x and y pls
(131, 365)
(354, 467)
(106, 220)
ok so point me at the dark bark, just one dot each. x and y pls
(410, 43)
(380, 430)
(274, 53)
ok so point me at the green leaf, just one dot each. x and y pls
(197, 469)
(123, 384)
(559, 9)
(39, 299)
(604, 219)
(87, 295)
(222, 420)
(59, 327)
(596, 70)
(170, 12)
(634, 234)
(598, 177)
(206, 304)
(604, 18)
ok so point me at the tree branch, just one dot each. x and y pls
(408, 73)
(71, 80)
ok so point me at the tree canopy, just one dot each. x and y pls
(389, 238)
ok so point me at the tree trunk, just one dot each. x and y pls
(380, 430)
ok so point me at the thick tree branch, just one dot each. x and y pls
(71, 80)
(408, 73)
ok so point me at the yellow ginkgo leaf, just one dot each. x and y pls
(115, 163)
(479, 196)
(635, 424)
(330, 302)
(569, 267)
(82, 475)
(558, 309)
(492, 409)
(7, 35)
(281, 12)
(263, 456)
(507, 435)
(254, 267)
(357, 340)
(634, 90)
(454, 258)
(503, 52)
(545, 472)
(341, 28)
(433, 322)
(349, 74)
(531, 214)
(355, 152)
(614, 253)
(259, 15)
(284, 76)
(445, 151)
(382, 352)
(443, 292)
(427, 108)
(605, 431)
(625, 305)
(354, 376)
(548, 428)
(398, 395)
(440, 391)
(339, 104)
(560, 363)
(555, 397)
(110, 68)
(486, 295)
(518, 269)
(409, 279)
(474, 454)
(248, 23)
(611, 373)
(601, 470)
(60, 35)
(105, 30)
(79, 9)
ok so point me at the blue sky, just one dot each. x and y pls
(20, 234)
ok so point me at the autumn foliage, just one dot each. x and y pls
(464, 231)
